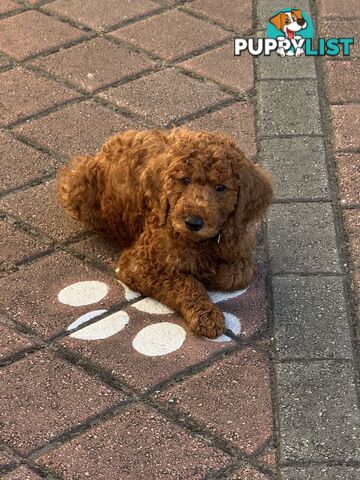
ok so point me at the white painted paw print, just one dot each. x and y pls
(157, 339)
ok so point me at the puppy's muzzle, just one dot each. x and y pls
(301, 22)
(193, 223)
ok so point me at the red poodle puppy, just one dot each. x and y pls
(183, 203)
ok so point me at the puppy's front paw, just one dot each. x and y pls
(209, 323)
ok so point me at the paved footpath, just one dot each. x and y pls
(274, 398)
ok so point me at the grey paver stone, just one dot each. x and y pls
(302, 238)
(287, 67)
(298, 167)
(319, 416)
(289, 107)
(310, 318)
(320, 472)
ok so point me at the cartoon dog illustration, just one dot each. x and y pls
(289, 23)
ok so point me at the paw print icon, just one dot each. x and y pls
(156, 339)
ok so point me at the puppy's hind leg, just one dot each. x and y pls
(79, 187)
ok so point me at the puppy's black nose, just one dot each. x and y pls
(300, 21)
(193, 223)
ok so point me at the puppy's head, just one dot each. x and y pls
(289, 22)
(208, 183)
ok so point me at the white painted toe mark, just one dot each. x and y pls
(83, 293)
(104, 328)
(129, 294)
(159, 339)
(232, 323)
(85, 318)
(217, 297)
(149, 305)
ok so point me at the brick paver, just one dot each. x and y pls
(237, 406)
(57, 397)
(7, 6)
(22, 473)
(237, 120)
(87, 65)
(166, 96)
(212, 64)
(43, 200)
(170, 35)
(33, 94)
(279, 400)
(27, 43)
(348, 169)
(143, 372)
(31, 294)
(234, 15)
(11, 343)
(16, 246)
(104, 15)
(21, 163)
(139, 442)
(75, 129)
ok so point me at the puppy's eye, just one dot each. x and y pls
(220, 188)
(185, 180)
(287, 21)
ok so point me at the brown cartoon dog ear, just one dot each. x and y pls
(255, 192)
(278, 20)
(297, 13)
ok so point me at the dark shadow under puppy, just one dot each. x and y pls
(184, 204)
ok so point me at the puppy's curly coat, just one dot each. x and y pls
(183, 203)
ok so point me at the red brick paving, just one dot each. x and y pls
(234, 15)
(26, 42)
(139, 443)
(348, 169)
(342, 28)
(342, 79)
(21, 473)
(87, 65)
(75, 129)
(17, 246)
(8, 5)
(12, 342)
(170, 35)
(237, 406)
(247, 473)
(346, 126)
(165, 96)
(20, 163)
(117, 356)
(4, 459)
(46, 214)
(30, 296)
(33, 94)
(101, 15)
(239, 70)
(352, 223)
(42, 397)
(236, 120)
(333, 8)
(45, 396)
(100, 248)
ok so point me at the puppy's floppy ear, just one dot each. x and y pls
(278, 20)
(297, 13)
(255, 192)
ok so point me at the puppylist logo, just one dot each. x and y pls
(290, 32)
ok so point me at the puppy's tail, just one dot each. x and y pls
(79, 187)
